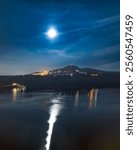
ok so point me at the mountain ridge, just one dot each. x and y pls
(70, 69)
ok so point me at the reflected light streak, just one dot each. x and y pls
(14, 94)
(96, 94)
(53, 112)
(93, 97)
(76, 98)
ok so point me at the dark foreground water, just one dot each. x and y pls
(77, 120)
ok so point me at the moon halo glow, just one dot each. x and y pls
(51, 33)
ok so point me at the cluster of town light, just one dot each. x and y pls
(42, 73)
(18, 87)
(62, 73)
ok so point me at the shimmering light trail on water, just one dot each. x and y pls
(53, 112)
(96, 94)
(60, 120)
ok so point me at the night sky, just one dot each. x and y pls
(88, 35)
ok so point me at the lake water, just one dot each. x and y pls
(48, 120)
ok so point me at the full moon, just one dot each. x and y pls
(51, 33)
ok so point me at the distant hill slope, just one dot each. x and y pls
(70, 69)
(69, 77)
(75, 70)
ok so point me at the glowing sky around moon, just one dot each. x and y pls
(51, 33)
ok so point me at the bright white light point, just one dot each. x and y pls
(52, 33)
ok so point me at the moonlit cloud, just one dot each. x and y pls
(60, 53)
(108, 66)
(109, 20)
(107, 51)
(95, 24)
